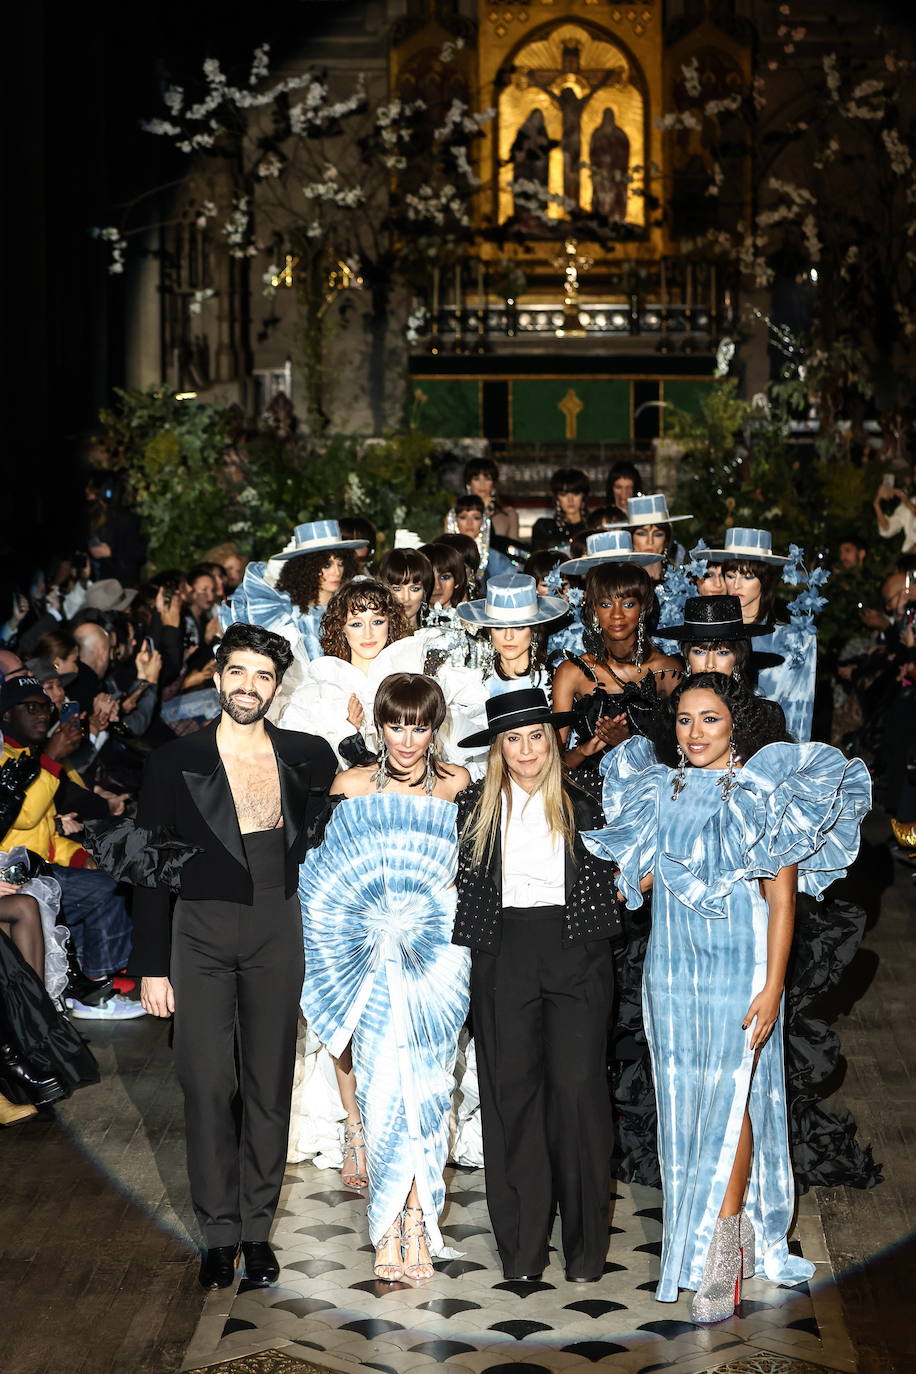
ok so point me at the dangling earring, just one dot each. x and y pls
(592, 638)
(380, 776)
(680, 777)
(640, 641)
(429, 777)
(736, 675)
(727, 781)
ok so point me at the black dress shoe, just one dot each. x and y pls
(523, 1278)
(261, 1264)
(38, 1090)
(217, 1267)
(580, 1278)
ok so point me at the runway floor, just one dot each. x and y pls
(97, 1260)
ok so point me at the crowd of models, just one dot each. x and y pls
(456, 800)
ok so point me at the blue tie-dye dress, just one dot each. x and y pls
(378, 907)
(706, 961)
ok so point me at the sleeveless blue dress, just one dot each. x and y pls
(378, 907)
(706, 961)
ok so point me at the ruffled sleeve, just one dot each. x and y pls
(630, 801)
(801, 804)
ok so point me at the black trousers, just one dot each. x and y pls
(540, 1014)
(237, 974)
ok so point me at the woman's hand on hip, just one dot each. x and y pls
(157, 996)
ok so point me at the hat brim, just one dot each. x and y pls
(702, 634)
(764, 659)
(331, 547)
(577, 566)
(641, 524)
(728, 556)
(549, 608)
(534, 717)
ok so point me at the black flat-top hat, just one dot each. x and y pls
(512, 710)
(711, 617)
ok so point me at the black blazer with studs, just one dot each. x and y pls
(592, 911)
(185, 787)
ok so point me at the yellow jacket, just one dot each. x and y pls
(34, 826)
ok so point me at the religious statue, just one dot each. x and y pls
(609, 156)
(530, 158)
(571, 87)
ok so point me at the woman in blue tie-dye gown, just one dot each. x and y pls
(381, 973)
(719, 840)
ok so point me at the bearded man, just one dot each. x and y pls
(245, 795)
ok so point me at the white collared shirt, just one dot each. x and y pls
(534, 862)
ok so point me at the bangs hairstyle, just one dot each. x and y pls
(410, 699)
(364, 595)
(483, 824)
(537, 650)
(301, 575)
(481, 467)
(470, 501)
(446, 558)
(769, 575)
(542, 563)
(401, 567)
(619, 579)
(569, 479)
(756, 721)
(739, 647)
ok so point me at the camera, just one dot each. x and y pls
(15, 874)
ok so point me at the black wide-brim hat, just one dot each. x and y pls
(512, 710)
(711, 617)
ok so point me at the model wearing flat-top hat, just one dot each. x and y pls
(537, 914)
(715, 639)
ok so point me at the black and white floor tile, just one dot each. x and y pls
(329, 1310)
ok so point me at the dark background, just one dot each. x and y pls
(77, 81)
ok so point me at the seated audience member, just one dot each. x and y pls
(91, 906)
(232, 562)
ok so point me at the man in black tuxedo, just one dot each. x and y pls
(245, 794)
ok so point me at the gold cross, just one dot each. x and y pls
(571, 407)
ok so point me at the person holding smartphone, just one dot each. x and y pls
(901, 520)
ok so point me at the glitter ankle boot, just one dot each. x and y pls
(746, 1240)
(720, 1292)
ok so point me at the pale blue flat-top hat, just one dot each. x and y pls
(649, 510)
(512, 602)
(741, 544)
(318, 536)
(607, 546)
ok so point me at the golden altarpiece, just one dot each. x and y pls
(615, 153)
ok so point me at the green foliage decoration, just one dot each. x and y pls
(199, 474)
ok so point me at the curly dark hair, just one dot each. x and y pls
(256, 640)
(756, 721)
(301, 576)
(363, 595)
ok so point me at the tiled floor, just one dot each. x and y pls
(328, 1308)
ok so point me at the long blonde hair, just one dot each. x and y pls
(483, 822)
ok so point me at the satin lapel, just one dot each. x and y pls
(495, 863)
(295, 785)
(212, 796)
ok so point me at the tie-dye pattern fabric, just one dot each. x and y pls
(791, 682)
(378, 906)
(256, 602)
(706, 961)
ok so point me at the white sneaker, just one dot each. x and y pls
(117, 1008)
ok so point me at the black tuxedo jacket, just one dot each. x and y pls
(185, 787)
(592, 911)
